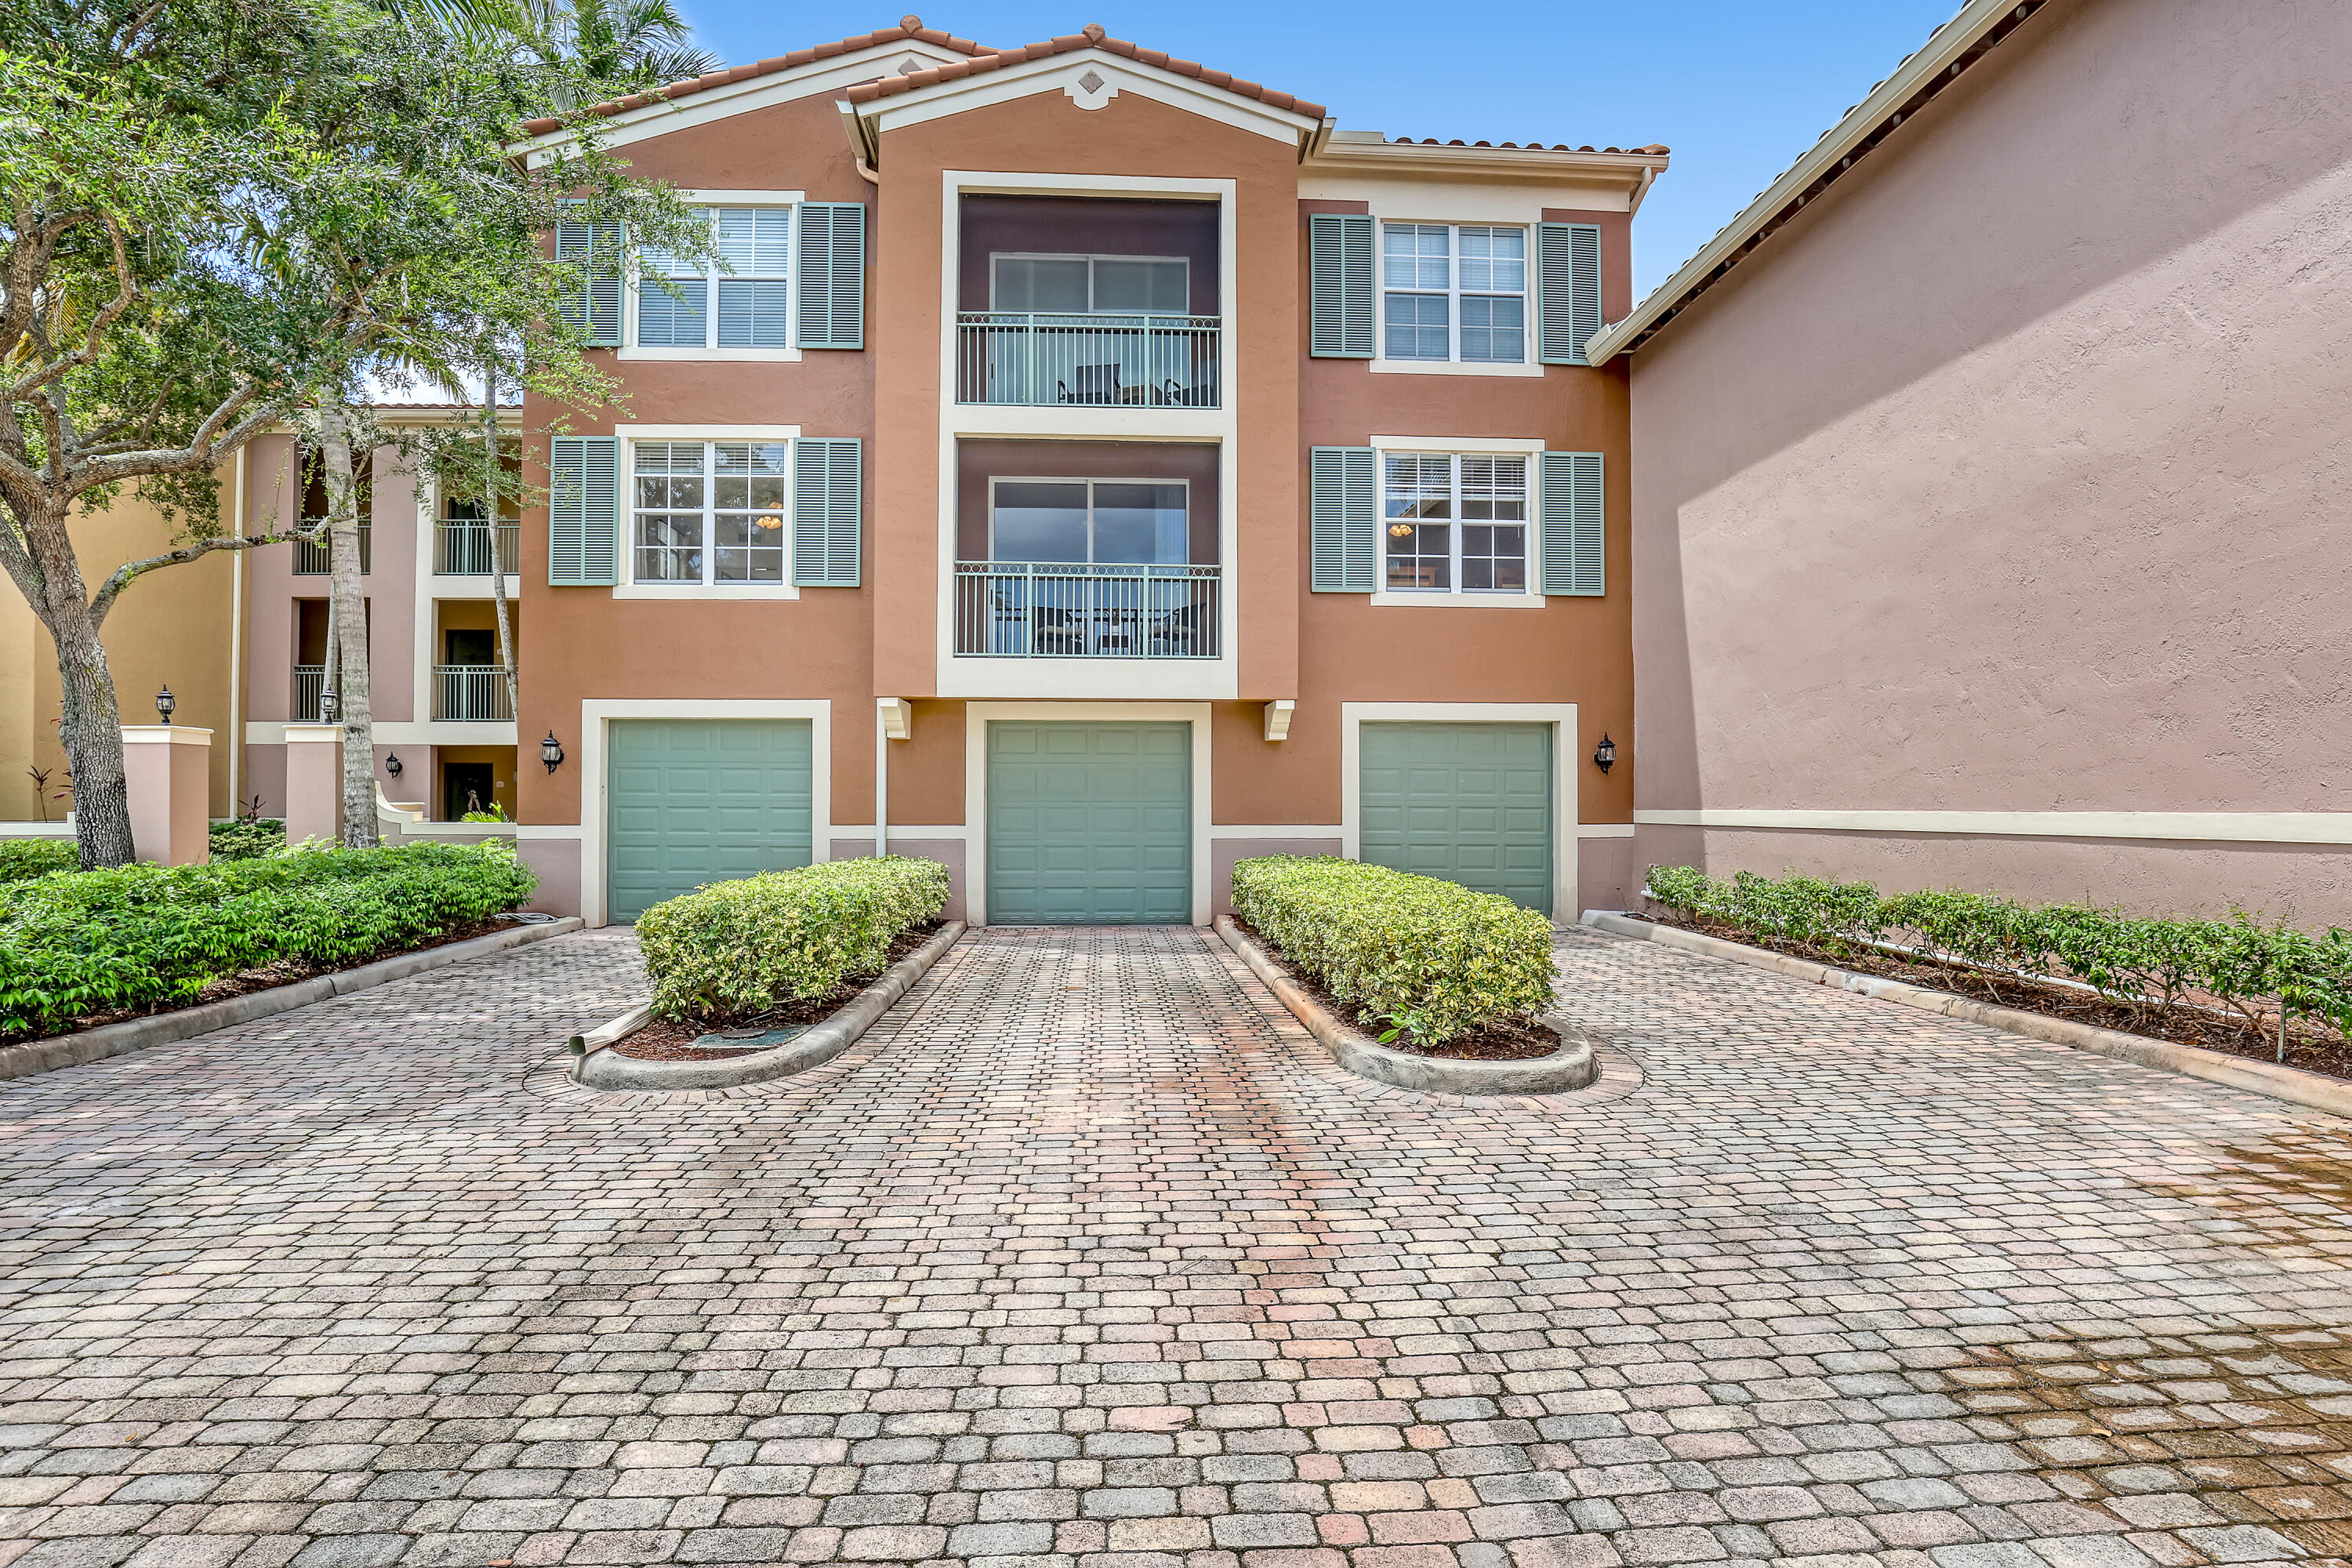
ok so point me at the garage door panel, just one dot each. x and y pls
(1468, 802)
(1101, 835)
(697, 801)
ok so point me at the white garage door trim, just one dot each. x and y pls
(1560, 716)
(976, 716)
(594, 753)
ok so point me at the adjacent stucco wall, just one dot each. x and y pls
(2012, 475)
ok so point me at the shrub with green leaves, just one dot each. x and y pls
(248, 837)
(732, 950)
(1433, 959)
(145, 936)
(23, 857)
(2147, 966)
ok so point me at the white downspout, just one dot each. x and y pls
(881, 780)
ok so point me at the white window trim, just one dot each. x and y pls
(1089, 258)
(631, 280)
(1566, 830)
(1452, 365)
(1458, 597)
(1089, 481)
(629, 587)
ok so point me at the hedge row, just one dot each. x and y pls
(149, 936)
(735, 949)
(21, 859)
(2146, 965)
(1433, 959)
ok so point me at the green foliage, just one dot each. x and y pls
(495, 813)
(2146, 965)
(247, 838)
(24, 857)
(146, 936)
(734, 949)
(1433, 959)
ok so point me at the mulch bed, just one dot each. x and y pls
(663, 1041)
(1505, 1042)
(268, 977)
(2210, 1029)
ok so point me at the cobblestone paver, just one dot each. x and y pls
(1088, 1257)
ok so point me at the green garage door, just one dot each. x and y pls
(702, 800)
(1470, 803)
(1089, 823)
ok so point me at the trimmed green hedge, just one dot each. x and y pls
(1433, 959)
(734, 949)
(148, 936)
(247, 838)
(2144, 964)
(24, 857)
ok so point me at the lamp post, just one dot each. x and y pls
(166, 702)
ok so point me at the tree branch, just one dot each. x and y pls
(130, 570)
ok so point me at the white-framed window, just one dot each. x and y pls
(1454, 293)
(1123, 522)
(709, 513)
(1454, 523)
(1090, 285)
(746, 303)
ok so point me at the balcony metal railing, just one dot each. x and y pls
(1008, 609)
(462, 548)
(309, 683)
(1014, 356)
(311, 554)
(470, 691)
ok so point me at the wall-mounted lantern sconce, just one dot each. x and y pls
(1605, 755)
(392, 765)
(330, 708)
(166, 702)
(551, 752)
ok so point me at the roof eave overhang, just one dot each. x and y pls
(1980, 25)
(1629, 172)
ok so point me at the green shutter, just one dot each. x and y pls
(825, 510)
(594, 307)
(1343, 525)
(833, 274)
(583, 513)
(1340, 305)
(1568, 310)
(1572, 532)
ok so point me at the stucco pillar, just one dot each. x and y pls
(168, 771)
(314, 781)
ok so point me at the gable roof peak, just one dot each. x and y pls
(1093, 35)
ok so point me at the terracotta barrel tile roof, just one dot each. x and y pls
(1092, 37)
(909, 28)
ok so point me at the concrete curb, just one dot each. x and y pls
(2276, 1080)
(166, 1028)
(1572, 1067)
(601, 1067)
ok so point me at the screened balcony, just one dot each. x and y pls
(310, 555)
(1085, 301)
(462, 548)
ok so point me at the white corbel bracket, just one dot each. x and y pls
(1278, 719)
(898, 716)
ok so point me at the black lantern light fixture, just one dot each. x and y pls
(392, 763)
(1605, 755)
(330, 708)
(166, 702)
(551, 752)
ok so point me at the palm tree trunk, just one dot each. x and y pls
(490, 475)
(351, 629)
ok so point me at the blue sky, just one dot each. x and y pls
(1737, 88)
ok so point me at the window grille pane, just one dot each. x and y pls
(1415, 256)
(667, 321)
(1418, 512)
(754, 314)
(1494, 261)
(669, 522)
(1493, 531)
(749, 499)
(1416, 326)
(755, 242)
(1494, 330)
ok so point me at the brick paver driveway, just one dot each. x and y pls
(1087, 1256)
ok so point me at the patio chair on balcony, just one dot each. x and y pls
(1177, 633)
(1059, 632)
(1090, 383)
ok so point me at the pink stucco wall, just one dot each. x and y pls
(2014, 475)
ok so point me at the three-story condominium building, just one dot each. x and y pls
(1087, 469)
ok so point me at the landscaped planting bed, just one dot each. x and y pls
(90, 947)
(22, 859)
(2223, 985)
(1420, 964)
(778, 951)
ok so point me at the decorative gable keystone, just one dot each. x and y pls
(1091, 91)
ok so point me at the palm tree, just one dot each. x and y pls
(621, 43)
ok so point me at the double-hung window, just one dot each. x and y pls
(1454, 523)
(742, 302)
(709, 512)
(1453, 291)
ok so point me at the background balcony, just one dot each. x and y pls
(310, 555)
(309, 681)
(462, 548)
(1043, 610)
(470, 691)
(1091, 360)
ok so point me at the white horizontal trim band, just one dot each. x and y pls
(2214, 826)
